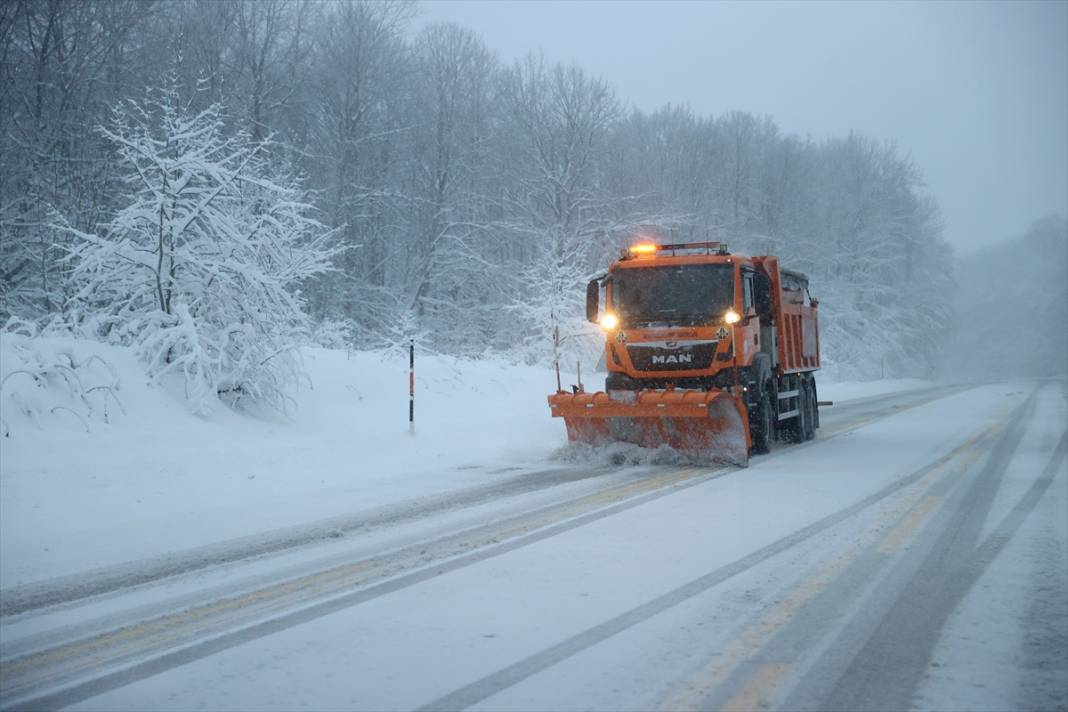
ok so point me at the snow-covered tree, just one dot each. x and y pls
(361, 64)
(559, 215)
(447, 267)
(200, 269)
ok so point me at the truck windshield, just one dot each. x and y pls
(682, 295)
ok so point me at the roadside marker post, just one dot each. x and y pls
(411, 386)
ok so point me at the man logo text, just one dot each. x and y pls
(673, 358)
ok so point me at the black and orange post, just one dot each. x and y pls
(411, 385)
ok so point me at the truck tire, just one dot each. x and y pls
(808, 408)
(761, 426)
(793, 429)
(815, 405)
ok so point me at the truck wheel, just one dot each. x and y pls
(808, 407)
(794, 428)
(761, 428)
(815, 405)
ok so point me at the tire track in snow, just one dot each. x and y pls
(889, 665)
(806, 613)
(898, 605)
(824, 636)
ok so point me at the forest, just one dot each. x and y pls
(214, 182)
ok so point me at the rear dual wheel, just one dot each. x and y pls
(808, 409)
(761, 426)
(794, 427)
(802, 427)
(814, 409)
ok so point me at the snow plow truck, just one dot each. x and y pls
(706, 351)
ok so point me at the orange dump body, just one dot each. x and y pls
(713, 423)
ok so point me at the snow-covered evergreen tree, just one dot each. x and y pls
(200, 269)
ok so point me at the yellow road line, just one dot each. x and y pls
(754, 695)
(895, 540)
(701, 685)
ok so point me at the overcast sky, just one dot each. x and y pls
(975, 92)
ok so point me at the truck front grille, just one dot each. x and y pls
(684, 357)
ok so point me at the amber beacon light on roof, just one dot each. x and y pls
(651, 248)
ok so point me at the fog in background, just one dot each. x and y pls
(1011, 311)
(975, 92)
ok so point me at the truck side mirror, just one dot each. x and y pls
(593, 294)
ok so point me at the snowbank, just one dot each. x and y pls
(159, 478)
(117, 468)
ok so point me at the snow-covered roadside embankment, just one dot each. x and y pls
(78, 492)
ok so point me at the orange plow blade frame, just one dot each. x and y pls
(711, 423)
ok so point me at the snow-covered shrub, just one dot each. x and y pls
(43, 380)
(200, 270)
(333, 334)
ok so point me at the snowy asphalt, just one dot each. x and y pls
(105, 580)
(843, 606)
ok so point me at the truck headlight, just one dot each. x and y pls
(609, 321)
(731, 317)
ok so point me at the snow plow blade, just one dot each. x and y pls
(712, 424)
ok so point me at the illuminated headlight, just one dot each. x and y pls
(731, 317)
(609, 321)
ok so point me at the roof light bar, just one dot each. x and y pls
(648, 248)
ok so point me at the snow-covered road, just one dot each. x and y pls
(856, 571)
